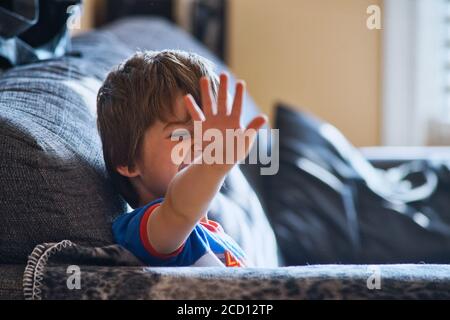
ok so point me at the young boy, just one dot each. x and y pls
(142, 106)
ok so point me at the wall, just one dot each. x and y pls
(316, 54)
(92, 14)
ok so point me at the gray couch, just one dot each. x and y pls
(57, 203)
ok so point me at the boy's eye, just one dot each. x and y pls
(180, 134)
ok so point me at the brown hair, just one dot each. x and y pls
(135, 94)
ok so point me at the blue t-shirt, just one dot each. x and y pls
(207, 245)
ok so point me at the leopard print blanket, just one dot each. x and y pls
(65, 270)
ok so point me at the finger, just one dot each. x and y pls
(238, 99)
(222, 102)
(193, 108)
(206, 96)
(253, 126)
(257, 122)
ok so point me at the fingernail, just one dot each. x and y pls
(242, 82)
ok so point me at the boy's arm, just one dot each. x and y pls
(192, 189)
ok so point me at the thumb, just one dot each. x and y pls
(257, 122)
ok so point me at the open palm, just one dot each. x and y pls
(215, 115)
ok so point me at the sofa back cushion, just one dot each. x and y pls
(52, 181)
(53, 184)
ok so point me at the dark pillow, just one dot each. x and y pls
(329, 205)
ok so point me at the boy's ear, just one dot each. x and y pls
(128, 171)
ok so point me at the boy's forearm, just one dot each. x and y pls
(192, 190)
(186, 202)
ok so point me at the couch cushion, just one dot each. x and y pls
(11, 282)
(52, 178)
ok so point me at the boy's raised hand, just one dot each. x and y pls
(192, 189)
(215, 115)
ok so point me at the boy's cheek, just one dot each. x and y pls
(182, 147)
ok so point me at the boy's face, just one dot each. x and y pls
(155, 169)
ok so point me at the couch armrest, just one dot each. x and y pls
(299, 282)
(388, 157)
(11, 281)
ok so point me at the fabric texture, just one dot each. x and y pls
(52, 179)
(113, 273)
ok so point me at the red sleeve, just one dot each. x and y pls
(144, 236)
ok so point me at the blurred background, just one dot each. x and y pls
(377, 70)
